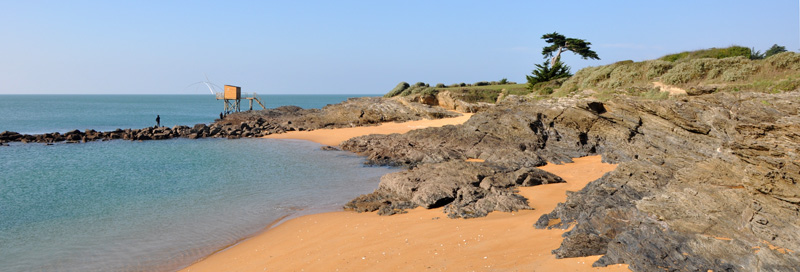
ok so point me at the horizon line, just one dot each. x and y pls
(184, 94)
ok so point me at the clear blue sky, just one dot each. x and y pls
(351, 47)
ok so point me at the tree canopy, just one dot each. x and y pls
(775, 49)
(559, 43)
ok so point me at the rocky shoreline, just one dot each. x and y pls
(363, 111)
(704, 182)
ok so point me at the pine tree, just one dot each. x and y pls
(544, 72)
(559, 44)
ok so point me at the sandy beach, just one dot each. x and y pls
(336, 136)
(420, 239)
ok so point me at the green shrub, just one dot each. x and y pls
(786, 60)
(775, 49)
(715, 53)
(756, 55)
(503, 81)
(429, 91)
(733, 51)
(477, 95)
(599, 74)
(624, 74)
(440, 85)
(547, 87)
(727, 69)
(787, 85)
(656, 68)
(577, 81)
(481, 83)
(545, 91)
(402, 86)
(675, 57)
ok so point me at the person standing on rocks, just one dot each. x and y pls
(158, 120)
(221, 116)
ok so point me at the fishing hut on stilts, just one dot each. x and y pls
(232, 97)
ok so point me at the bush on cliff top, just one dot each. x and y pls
(779, 72)
(402, 86)
(714, 53)
(482, 91)
(727, 69)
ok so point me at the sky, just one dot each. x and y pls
(349, 47)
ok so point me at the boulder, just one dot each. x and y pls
(465, 189)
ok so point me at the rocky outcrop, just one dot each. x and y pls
(514, 133)
(464, 189)
(451, 101)
(448, 100)
(703, 182)
(351, 113)
(363, 111)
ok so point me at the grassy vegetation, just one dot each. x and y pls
(713, 53)
(482, 91)
(487, 93)
(726, 69)
(779, 72)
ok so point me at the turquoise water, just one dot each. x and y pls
(159, 205)
(35, 114)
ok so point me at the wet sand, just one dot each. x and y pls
(336, 136)
(420, 239)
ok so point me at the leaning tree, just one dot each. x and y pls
(559, 43)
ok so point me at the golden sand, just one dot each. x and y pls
(338, 135)
(420, 240)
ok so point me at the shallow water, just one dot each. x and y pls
(158, 205)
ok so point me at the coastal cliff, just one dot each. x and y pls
(704, 182)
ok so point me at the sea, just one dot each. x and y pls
(154, 205)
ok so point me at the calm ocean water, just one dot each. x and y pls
(33, 114)
(153, 205)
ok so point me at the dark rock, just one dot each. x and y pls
(384, 202)
(452, 101)
(330, 148)
(161, 136)
(465, 189)
(354, 112)
(713, 177)
(259, 123)
(199, 127)
(700, 90)
(10, 136)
